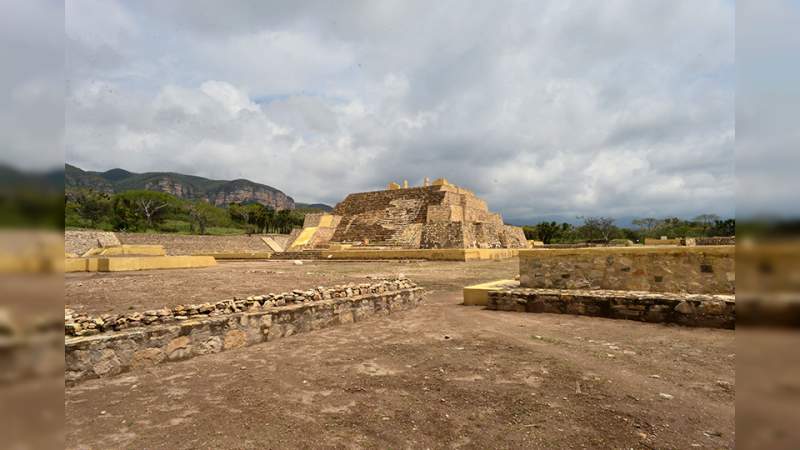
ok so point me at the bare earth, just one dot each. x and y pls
(440, 376)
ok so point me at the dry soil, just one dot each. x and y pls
(440, 376)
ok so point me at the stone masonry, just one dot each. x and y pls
(702, 310)
(692, 286)
(106, 345)
(440, 215)
(697, 270)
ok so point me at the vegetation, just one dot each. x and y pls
(603, 229)
(143, 211)
(187, 187)
(31, 200)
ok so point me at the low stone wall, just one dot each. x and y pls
(697, 270)
(181, 244)
(442, 254)
(717, 240)
(79, 242)
(111, 344)
(701, 310)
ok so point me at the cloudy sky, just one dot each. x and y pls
(546, 109)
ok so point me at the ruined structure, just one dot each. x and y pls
(693, 286)
(436, 215)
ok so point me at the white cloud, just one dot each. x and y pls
(546, 109)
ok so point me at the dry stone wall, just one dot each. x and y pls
(106, 345)
(715, 311)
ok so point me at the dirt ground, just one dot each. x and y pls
(440, 376)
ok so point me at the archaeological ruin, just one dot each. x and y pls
(109, 344)
(437, 215)
(690, 286)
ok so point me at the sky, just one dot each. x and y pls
(546, 109)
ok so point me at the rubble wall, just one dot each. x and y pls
(701, 310)
(107, 345)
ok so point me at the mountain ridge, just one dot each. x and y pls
(187, 187)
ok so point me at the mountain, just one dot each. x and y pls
(188, 187)
(12, 179)
(313, 207)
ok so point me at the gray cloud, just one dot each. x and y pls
(767, 104)
(545, 108)
(32, 84)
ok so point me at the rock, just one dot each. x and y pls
(179, 348)
(684, 308)
(235, 339)
(666, 396)
(297, 262)
(147, 357)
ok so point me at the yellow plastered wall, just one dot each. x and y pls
(305, 237)
(479, 294)
(326, 221)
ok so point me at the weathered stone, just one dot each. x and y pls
(235, 339)
(147, 357)
(717, 311)
(684, 308)
(107, 363)
(178, 348)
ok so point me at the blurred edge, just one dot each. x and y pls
(31, 309)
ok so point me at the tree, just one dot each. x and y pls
(93, 206)
(530, 232)
(602, 227)
(547, 231)
(201, 213)
(723, 228)
(240, 213)
(647, 225)
(141, 209)
(706, 221)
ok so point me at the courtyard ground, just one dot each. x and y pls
(440, 376)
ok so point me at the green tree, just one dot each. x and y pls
(647, 225)
(92, 206)
(201, 214)
(548, 231)
(723, 228)
(140, 209)
(706, 221)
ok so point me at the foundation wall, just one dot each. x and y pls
(698, 270)
(222, 327)
(178, 244)
(443, 254)
(715, 311)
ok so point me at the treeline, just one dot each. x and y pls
(604, 229)
(142, 210)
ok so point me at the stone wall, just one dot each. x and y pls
(699, 270)
(181, 244)
(716, 311)
(438, 216)
(107, 345)
(717, 240)
(380, 217)
(79, 242)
